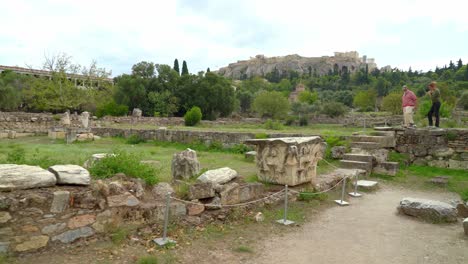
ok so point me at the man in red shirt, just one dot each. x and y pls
(409, 101)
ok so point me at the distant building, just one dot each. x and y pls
(294, 95)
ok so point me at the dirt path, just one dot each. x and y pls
(369, 231)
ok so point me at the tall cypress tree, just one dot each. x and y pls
(208, 69)
(184, 68)
(176, 66)
(459, 64)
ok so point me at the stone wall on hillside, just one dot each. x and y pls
(445, 148)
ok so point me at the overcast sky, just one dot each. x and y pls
(214, 33)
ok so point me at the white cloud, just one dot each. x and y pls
(214, 33)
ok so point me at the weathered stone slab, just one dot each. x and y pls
(81, 220)
(161, 190)
(53, 228)
(15, 177)
(185, 165)
(60, 202)
(433, 211)
(201, 190)
(35, 242)
(290, 161)
(230, 194)
(4, 217)
(367, 185)
(71, 174)
(72, 235)
(126, 199)
(218, 176)
(250, 191)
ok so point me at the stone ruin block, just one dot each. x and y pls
(290, 161)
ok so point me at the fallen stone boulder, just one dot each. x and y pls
(185, 165)
(201, 190)
(219, 176)
(71, 174)
(15, 177)
(429, 210)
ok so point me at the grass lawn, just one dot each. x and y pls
(315, 129)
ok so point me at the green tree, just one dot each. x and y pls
(144, 69)
(10, 97)
(333, 109)
(245, 100)
(459, 64)
(176, 66)
(208, 69)
(271, 104)
(308, 97)
(184, 68)
(130, 91)
(382, 86)
(163, 103)
(365, 100)
(393, 103)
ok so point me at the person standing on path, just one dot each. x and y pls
(434, 93)
(409, 101)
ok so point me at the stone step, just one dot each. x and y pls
(358, 157)
(387, 168)
(366, 185)
(365, 145)
(382, 133)
(352, 164)
(328, 180)
(384, 141)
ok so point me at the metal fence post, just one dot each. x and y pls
(355, 193)
(285, 221)
(342, 202)
(162, 241)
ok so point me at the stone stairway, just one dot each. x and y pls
(370, 153)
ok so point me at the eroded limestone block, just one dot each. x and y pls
(71, 174)
(14, 177)
(185, 165)
(290, 161)
(433, 211)
(218, 176)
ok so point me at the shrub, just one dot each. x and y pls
(463, 102)
(112, 109)
(333, 109)
(127, 163)
(193, 116)
(392, 103)
(135, 139)
(271, 104)
(240, 148)
(425, 106)
(273, 125)
(365, 100)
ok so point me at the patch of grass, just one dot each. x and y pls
(119, 234)
(295, 213)
(148, 260)
(127, 163)
(200, 146)
(261, 136)
(401, 158)
(243, 249)
(273, 125)
(309, 196)
(252, 178)
(134, 140)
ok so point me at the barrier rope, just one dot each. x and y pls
(228, 205)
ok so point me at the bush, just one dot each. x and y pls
(127, 163)
(271, 104)
(112, 109)
(333, 109)
(365, 100)
(392, 103)
(273, 125)
(135, 139)
(193, 116)
(463, 102)
(332, 141)
(425, 106)
(291, 120)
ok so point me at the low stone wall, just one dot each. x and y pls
(22, 122)
(184, 136)
(445, 148)
(358, 120)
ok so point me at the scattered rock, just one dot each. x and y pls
(137, 112)
(250, 155)
(60, 202)
(71, 174)
(195, 209)
(338, 152)
(81, 220)
(219, 176)
(462, 209)
(81, 137)
(102, 220)
(230, 194)
(201, 190)
(161, 190)
(185, 165)
(250, 191)
(440, 180)
(116, 188)
(54, 228)
(4, 217)
(14, 177)
(126, 199)
(213, 203)
(96, 158)
(259, 217)
(433, 211)
(33, 243)
(72, 235)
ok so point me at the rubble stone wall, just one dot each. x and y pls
(445, 148)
